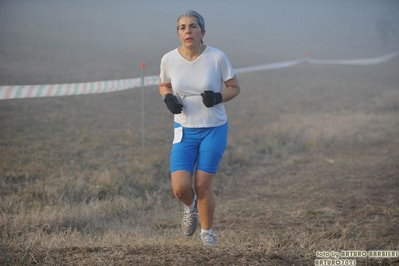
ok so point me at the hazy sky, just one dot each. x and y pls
(87, 40)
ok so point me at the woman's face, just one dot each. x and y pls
(189, 32)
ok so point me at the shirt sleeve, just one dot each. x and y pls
(164, 75)
(226, 69)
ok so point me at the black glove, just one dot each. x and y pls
(210, 98)
(172, 103)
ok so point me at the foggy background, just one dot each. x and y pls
(55, 41)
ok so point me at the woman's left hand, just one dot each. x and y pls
(211, 98)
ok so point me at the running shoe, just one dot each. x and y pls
(208, 239)
(190, 220)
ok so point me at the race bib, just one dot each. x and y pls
(178, 135)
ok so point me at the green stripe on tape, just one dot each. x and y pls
(75, 89)
(19, 91)
(91, 87)
(58, 90)
(39, 91)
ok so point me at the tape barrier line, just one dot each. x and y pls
(52, 90)
(269, 66)
(358, 62)
(285, 64)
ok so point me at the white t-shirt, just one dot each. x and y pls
(189, 79)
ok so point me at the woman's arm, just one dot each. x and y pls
(165, 88)
(232, 89)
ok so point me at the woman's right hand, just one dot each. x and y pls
(172, 103)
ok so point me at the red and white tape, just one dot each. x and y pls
(51, 90)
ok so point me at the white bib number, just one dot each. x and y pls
(178, 135)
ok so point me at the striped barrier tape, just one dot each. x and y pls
(269, 66)
(358, 62)
(51, 90)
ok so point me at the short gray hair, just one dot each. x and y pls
(192, 13)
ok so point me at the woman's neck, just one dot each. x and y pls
(191, 53)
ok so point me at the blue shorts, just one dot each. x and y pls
(202, 148)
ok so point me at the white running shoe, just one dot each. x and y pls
(208, 239)
(190, 220)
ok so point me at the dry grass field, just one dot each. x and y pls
(312, 162)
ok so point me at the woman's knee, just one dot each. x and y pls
(203, 184)
(181, 191)
(181, 183)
